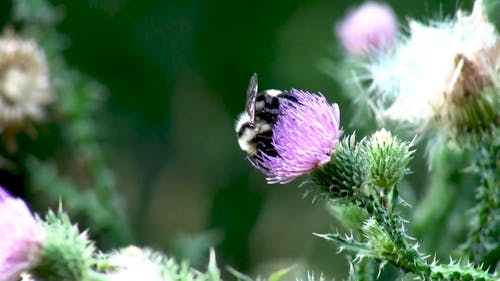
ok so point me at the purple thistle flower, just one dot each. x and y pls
(372, 26)
(21, 237)
(304, 136)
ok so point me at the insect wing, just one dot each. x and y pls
(251, 97)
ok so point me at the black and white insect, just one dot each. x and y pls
(254, 126)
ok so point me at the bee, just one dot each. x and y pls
(254, 126)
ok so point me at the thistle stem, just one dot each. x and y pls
(364, 270)
(482, 244)
(409, 259)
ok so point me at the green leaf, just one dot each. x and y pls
(277, 275)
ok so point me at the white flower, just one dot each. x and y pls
(134, 263)
(437, 64)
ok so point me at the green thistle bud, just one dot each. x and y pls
(345, 176)
(67, 253)
(388, 158)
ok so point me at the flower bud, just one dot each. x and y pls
(67, 253)
(345, 176)
(388, 158)
(368, 28)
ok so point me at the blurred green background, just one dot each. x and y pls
(176, 74)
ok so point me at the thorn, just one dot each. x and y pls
(324, 236)
(381, 267)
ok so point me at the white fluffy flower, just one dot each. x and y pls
(437, 63)
(133, 263)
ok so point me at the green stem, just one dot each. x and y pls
(406, 256)
(365, 270)
(483, 244)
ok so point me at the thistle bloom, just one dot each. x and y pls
(368, 28)
(304, 136)
(22, 237)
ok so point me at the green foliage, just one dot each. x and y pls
(83, 204)
(275, 276)
(350, 215)
(278, 275)
(75, 168)
(386, 241)
(363, 270)
(35, 11)
(493, 11)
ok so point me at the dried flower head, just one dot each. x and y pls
(437, 72)
(22, 237)
(368, 28)
(24, 82)
(304, 136)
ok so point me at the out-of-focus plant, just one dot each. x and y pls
(48, 123)
(52, 248)
(441, 81)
